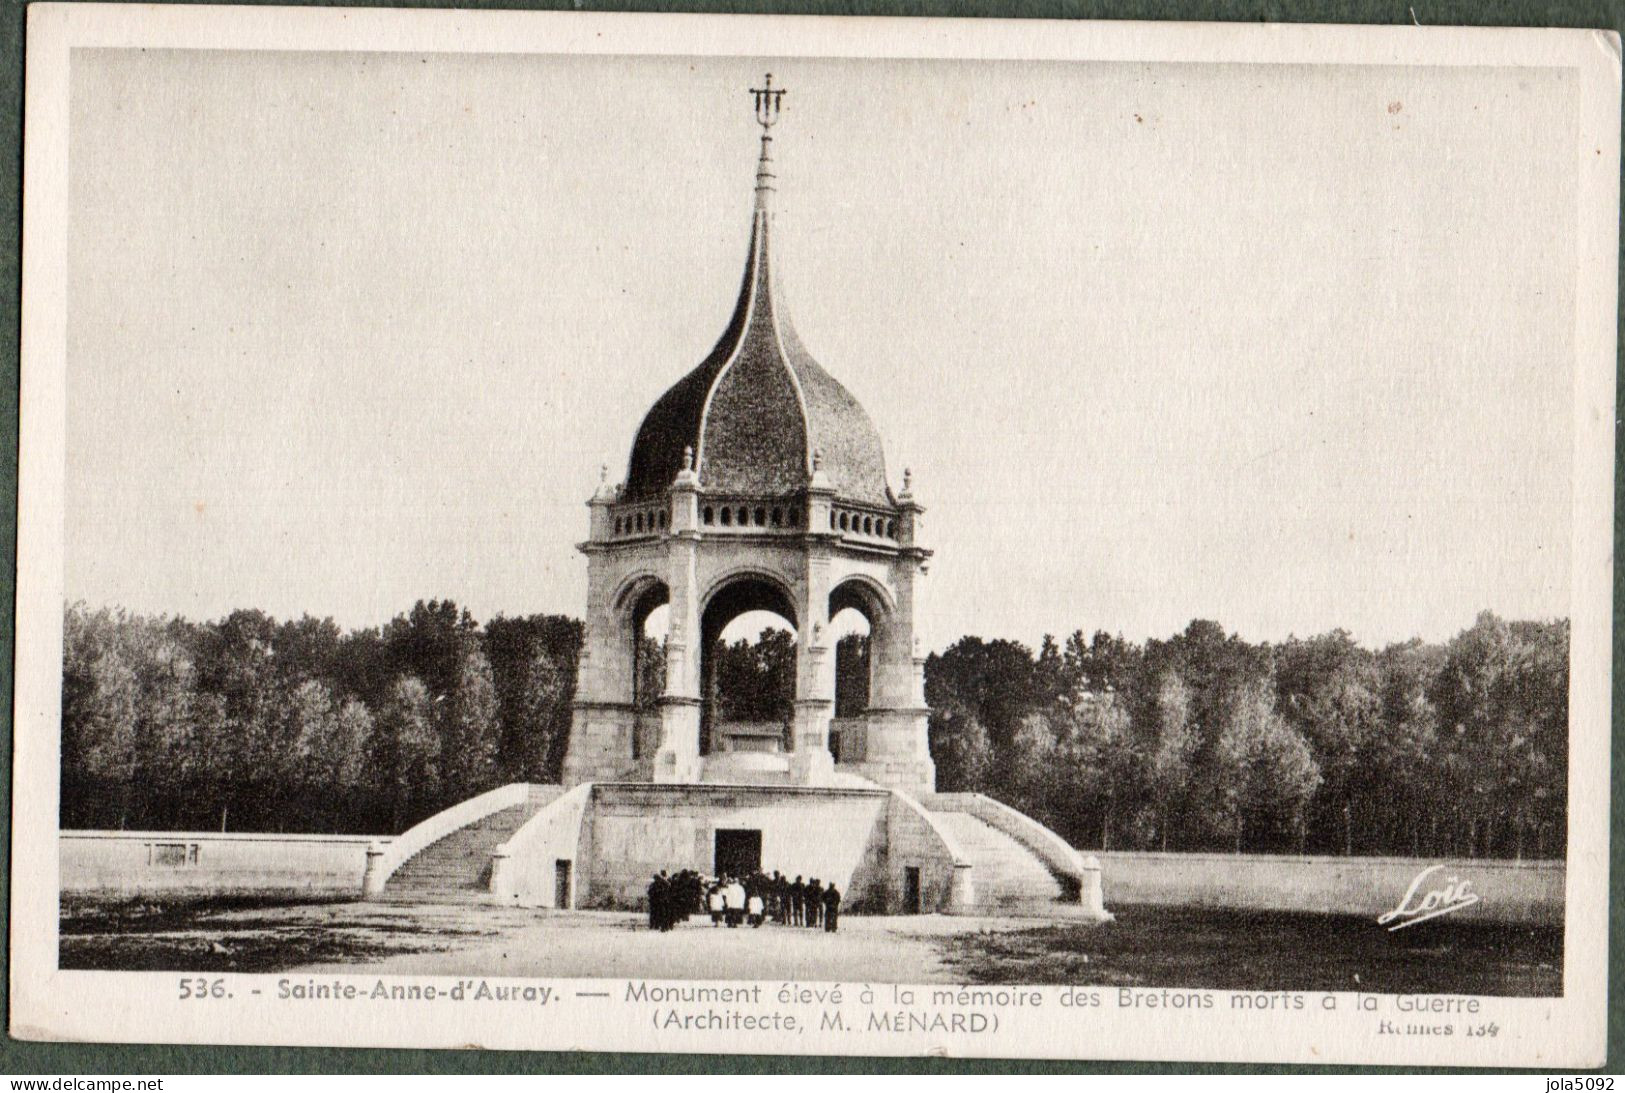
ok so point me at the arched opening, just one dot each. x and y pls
(649, 616)
(857, 614)
(747, 667)
(849, 629)
(849, 632)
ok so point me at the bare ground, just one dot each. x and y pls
(1146, 946)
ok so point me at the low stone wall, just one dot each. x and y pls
(1367, 887)
(632, 831)
(525, 869)
(860, 839)
(132, 863)
(914, 842)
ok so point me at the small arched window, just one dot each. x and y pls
(727, 516)
(843, 521)
(710, 516)
(617, 525)
(868, 525)
(778, 517)
(744, 516)
(891, 529)
(761, 517)
(663, 520)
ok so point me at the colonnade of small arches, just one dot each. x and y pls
(862, 523)
(644, 522)
(744, 516)
(757, 516)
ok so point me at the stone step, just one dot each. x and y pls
(457, 868)
(1006, 875)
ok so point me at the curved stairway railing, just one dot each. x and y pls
(383, 862)
(520, 867)
(1079, 873)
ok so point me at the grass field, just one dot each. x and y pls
(1144, 947)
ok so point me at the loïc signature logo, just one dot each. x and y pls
(1453, 896)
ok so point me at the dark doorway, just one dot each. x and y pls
(911, 890)
(561, 884)
(739, 853)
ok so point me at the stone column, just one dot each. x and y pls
(811, 763)
(678, 758)
(603, 717)
(891, 645)
(372, 879)
(1089, 890)
(899, 754)
(502, 878)
(604, 673)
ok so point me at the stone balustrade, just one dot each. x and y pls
(870, 525)
(753, 515)
(639, 521)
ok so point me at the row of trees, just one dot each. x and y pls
(257, 725)
(1206, 741)
(1202, 741)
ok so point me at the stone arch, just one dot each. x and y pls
(734, 594)
(746, 574)
(850, 698)
(638, 597)
(634, 585)
(861, 591)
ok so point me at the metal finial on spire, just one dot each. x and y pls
(767, 103)
(768, 99)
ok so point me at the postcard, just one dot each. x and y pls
(815, 535)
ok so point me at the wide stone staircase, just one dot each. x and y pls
(457, 868)
(1009, 879)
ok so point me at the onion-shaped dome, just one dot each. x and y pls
(758, 408)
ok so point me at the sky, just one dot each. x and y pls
(1288, 347)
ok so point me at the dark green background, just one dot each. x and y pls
(19, 1058)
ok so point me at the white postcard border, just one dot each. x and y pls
(124, 1006)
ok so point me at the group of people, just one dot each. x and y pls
(749, 900)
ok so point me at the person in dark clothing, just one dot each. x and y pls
(659, 896)
(832, 908)
(798, 896)
(686, 894)
(781, 890)
(815, 906)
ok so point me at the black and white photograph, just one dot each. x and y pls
(816, 536)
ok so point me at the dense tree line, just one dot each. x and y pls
(251, 724)
(1207, 742)
(1202, 741)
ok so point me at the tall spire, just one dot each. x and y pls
(759, 406)
(767, 115)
